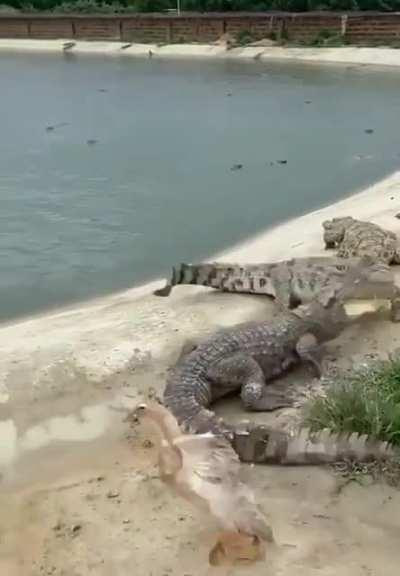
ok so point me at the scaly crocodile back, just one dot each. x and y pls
(293, 282)
(189, 392)
(358, 238)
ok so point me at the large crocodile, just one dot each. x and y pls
(295, 282)
(244, 358)
(354, 237)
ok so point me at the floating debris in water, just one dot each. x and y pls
(369, 130)
(112, 494)
(236, 167)
(91, 142)
(362, 156)
(75, 528)
(68, 45)
(102, 90)
(57, 527)
(307, 101)
(273, 162)
(52, 127)
(125, 46)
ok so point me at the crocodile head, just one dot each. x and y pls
(334, 230)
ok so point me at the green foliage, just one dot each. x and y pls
(204, 5)
(88, 7)
(327, 38)
(367, 402)
(150, 5)
(244, 37)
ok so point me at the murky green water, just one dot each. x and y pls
(136, 173)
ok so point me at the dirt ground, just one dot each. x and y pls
(79, 491)
(83, 496)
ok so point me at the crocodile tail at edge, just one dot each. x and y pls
(260, 444)
(175, 279)
(201, 274)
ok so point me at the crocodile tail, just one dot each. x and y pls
(251, 278)
(193, 418)
(212, 275)
(204, 421)
(175, 279)
(263, 445)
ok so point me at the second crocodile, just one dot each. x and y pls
(294, 282)
(244, 358)
(354, 237)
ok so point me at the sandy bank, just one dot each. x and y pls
(136, 328)
(80, 494)
(345, 55)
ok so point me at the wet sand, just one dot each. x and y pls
(381, 56)
(80, 493)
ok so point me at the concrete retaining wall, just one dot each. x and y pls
(356, 28)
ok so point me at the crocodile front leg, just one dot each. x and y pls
(244, 372)
(309, 350)
(395, 306)
(396, 255)
(266, 401)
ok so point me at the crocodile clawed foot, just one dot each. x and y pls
(164, 291)
(314, 365)
(327, 368)
(395, 312)
(271, 400)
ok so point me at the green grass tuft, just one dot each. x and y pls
(244, 37)
(367, 402)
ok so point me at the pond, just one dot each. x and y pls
(113, 169)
